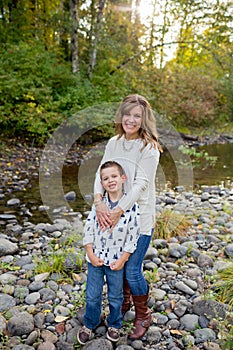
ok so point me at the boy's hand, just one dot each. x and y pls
(117, 265)
(95, 261)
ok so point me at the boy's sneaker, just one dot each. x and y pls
(84, 335)
(113, 334)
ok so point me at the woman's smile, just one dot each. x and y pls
(132, 122)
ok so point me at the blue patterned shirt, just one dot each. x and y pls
(110, 246)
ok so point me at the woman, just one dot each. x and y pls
(136, 149)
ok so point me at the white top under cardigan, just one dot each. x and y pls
(140, 167)
(110, 246)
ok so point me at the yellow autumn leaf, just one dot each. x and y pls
(173, 303)
(176, 331)
(60, 318)
(46, 311)
(76, 277)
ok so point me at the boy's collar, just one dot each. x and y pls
(106, 198)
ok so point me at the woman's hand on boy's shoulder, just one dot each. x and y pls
(103, 216)
(115, 215)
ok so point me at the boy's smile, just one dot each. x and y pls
(112, 181)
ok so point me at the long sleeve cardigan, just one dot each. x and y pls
(140, 165)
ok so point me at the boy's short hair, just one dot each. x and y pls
(109, 164)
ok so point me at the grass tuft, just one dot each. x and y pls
(170, 224)
(224, 285)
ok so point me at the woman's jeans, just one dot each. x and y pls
(94, 290)
(133, 267)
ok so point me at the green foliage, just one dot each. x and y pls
(227, 94)
(94, 123)
(225, 332)
(228, 337)
(127, 327)
(170, 224)
(224, 285)
(4, 341)
(188, 96)
(37, 91)
(57, 257)
(152, 276)
(8, 267)
(79, 299)
(199, 158)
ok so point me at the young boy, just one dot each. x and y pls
(106, 253)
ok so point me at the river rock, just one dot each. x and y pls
(189, 322)
(100, 344)
(7, 247)
(13, 202)
(70, 196)
(7, 278)
(229, 250)
(204, 261)
(210, 308)
(7, 217)
(21, 324)
(203, 335)
(6, 302)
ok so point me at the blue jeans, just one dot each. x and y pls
(133, 267)
(95, 283)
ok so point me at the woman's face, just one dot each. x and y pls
(131, 123)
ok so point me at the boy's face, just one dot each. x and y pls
(111, 179)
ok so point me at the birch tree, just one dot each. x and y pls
(95, 35)
(74, 6)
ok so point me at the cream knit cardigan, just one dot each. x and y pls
(140, 167)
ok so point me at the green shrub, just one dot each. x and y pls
(37, 91)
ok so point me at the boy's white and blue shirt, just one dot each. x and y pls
(110, 246)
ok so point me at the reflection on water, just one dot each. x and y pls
(168, 175)
(219, 174)
(81, 179)
(222, 172)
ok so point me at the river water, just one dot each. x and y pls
(80, 180)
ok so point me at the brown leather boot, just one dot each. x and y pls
(142, 316)
(127, 298)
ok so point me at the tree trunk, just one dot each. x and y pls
(151, 57)
(95, 37)
(74, 35)
(164, 31)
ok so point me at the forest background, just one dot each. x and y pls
(59, 57)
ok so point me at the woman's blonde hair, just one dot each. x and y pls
(147, 132)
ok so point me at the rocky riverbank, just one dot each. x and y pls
(39, 312)
(43, 271)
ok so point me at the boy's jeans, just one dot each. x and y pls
(95, 282)
(133, 267)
